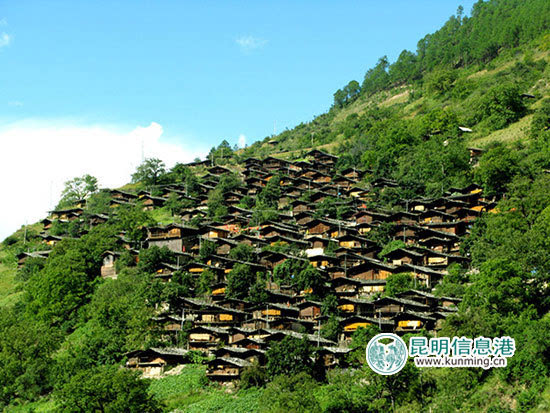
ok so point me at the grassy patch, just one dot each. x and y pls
(544, 403)
(8, 282)
(402, 97)
(162, 215)
(41, 406)
(515, 132)
(190, 392)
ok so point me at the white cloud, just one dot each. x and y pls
(15, 103)
(242, 141)
(3, 22)
(5, 39)
(38, 157)
(249, 43)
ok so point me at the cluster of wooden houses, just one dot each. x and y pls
(237, 332)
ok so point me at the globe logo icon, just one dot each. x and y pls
(386, 354)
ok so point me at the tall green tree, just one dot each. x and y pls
(76, 189)
(150, 172)
(107, 389)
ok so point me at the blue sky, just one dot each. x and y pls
(208, 70)
(183, 74)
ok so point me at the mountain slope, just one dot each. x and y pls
(400, 136)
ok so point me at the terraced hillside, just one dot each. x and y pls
(253, 280)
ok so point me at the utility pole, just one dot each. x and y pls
(346, 265)
(25, 234)
(181, 324)
(51, 191)
(319, 333)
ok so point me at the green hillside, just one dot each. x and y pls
(431, 182)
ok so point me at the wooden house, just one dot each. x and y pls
(175, 237)
(271, 259)
(274, 164)
(188, 214)
(348, 258)
(218, 231)
(153, 361)
(437, 259)
(355, 287)
(197, 268)
(348, 306)
(300, 206)
(439, 244)
(404, 217)
(199, 163)
(322, 261)
(282, 240)
(353, 173)
(317, 242)
(280, 323)
(434, 216)
(401, 256)
(455, 228)
(384, 183)
(321, 157)
(243, 353)
(168, 324)
(350, 324)
(68, 214)
(364, 228)
(426, 275)
(281, 298)
(368, 217)
(122, 195)
(421, 297)
(388, 307)
(358, 192)
(326, 228)
(205, 338)
(150, 202)
(97, 219)
(22, 257)
(49, 239)
(108, 268)
(223, 369)
(410, 321)
(343, 182)
(267, 231)
(235, 304)
(331, 357)
(215, 315)
(218, 170)
(274, 310)
(353, 241)
(371, 270)
(250, 343)
(318, 196)
(252, 163)
(250, 240)
(309, 310)
(218, 291)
